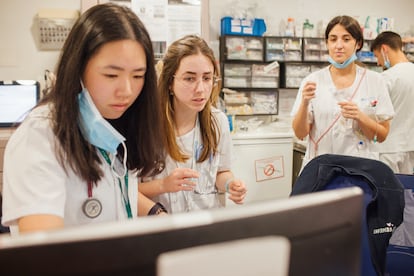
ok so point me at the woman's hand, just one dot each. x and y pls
(237, 191)
(349, 110)
(308, 92)
(180, 179)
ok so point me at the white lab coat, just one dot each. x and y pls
(185, 201)
(344, 137)
(397, 151)
(35, 183)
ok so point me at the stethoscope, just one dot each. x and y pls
(201, 189)
(92, 207)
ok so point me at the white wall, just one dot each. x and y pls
(275, 11)
(19, 55)
(20, 58)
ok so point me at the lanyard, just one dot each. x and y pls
(315, 142)
(125, 198)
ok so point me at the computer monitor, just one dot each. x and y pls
(324, 229)
(17, 98)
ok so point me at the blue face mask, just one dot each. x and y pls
(95, 128)
(387, 63)
(345, 64)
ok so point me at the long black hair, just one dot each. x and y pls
(139, 124)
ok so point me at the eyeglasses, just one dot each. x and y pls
(191, 82)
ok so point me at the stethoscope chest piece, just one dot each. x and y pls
(92, 207)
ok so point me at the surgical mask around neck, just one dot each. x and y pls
(345, 64)
(98, 131)
(387, 63)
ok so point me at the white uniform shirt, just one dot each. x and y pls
(344, 137)
(400, 83)
(185, 201)
(35, 183)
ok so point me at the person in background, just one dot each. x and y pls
(398, 150)
(198, 145)
(77, 156)
(342, 108)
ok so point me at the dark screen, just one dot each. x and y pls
(324, 234)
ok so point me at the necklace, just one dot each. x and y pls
(315, 141)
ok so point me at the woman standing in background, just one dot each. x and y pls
(342, 108)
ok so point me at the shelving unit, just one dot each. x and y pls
(314, 49)
(365, 55)
(243, 59)
(244, 72)
(283, 48)
(294, 73)
(408, 49)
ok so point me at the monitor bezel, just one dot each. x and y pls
(121, 248)
(20, 83)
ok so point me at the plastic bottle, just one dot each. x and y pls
(290, 27)
(307, 28)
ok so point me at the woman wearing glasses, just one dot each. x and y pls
(198, 137)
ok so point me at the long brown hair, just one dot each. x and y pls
(139, 124)
(350, 24)
(210, 131)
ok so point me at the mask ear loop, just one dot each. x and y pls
(81, 83)
(385, 57)
(124, 160)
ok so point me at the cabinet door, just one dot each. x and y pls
(314, 49)
(253, 85)
(275, 47)
(243, 48)
(293, 49)
(283, 48)
(237, 75)
(295, 73)
(252, 102)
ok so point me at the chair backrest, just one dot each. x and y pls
(400, 252)
(262, 256)
(384, 199)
